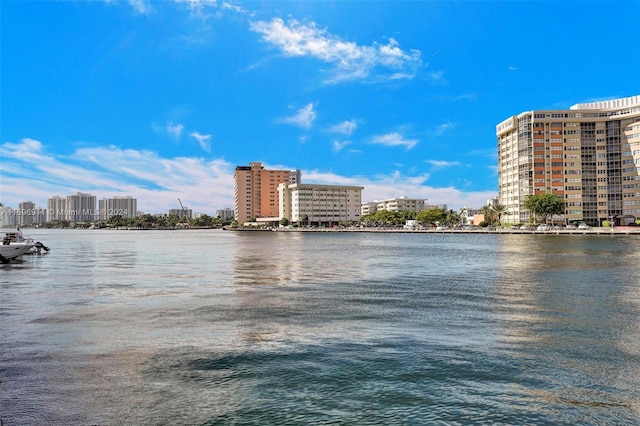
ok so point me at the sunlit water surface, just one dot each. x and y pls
(219, 327)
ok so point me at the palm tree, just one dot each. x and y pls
(488, 213)
(452, 218)
(463, 215)
(499, 210)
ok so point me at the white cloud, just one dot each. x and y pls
(437, 77)
(441, 163)
(156, 182)
(303, 118)
(466, 96)
(350, 61)
(394, 139)
(203, 140)
(141, 6)
(30, 173)
(174, 130)
(200, 8)
(440, 129)
(345, 128)
(340, 145)
(381, 187)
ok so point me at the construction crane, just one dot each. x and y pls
(185, 213)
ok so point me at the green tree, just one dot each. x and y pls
(489, 214)
(385, 217)
(407, 215)
(452, 218)
(463, 215)
(544, 206)
(206, 221)
(284, 221)
(430, 216)
(161, 220)
(499, 210)
(116, 220)
(173, 219)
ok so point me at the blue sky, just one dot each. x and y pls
(162, 100)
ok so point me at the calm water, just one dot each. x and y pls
(214, 327)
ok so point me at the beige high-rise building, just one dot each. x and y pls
(256, 190)
(589, 155)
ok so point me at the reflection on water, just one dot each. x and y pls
(208, 327)
(574, 305)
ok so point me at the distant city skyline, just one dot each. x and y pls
(162, 100)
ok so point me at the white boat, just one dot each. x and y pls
(14, 245)
(12, 250)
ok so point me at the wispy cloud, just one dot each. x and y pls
(442, 163)
(466, 96)
(512, 68)
(174, 130)
(441, 128)
(340, 145)
(397, 184)
(345, 128)
(200, 9)
(157, 182)
(394, 139)
(350, 61)
(141, 6)
(303, 118)
(437, 77)
(203, 140)
(485, 152)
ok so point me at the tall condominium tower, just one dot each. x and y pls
(81, 208)
(589, 155)
(26, 213)
(256, 190)
(117, 206)
(56, 208)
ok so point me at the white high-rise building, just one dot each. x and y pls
(185, 213)
(117, 206)
(588, 155)
(26, 213)
(8, 217)
(225, 213)
(56, 209)
(81, 208)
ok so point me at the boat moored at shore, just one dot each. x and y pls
(15, 245)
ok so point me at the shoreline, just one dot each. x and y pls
(593, 231)
(621, 230)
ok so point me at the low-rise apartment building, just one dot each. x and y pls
(322, 205)
(400, 204)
